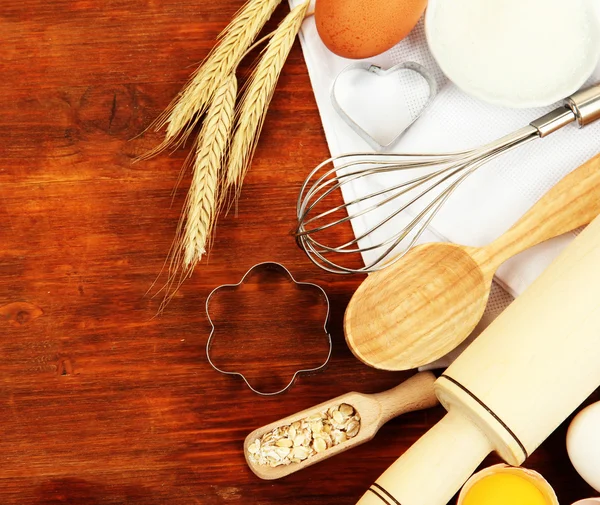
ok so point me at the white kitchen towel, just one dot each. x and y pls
(498, 193)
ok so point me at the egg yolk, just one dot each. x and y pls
(504, 489)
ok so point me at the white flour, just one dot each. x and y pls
(515, 52)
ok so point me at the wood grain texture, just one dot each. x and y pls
(101, 402)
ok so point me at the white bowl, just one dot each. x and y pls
(489, 78)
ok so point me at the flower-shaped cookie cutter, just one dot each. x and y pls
(286, 272)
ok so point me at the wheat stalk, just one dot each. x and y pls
(182, 115)
(258, 94)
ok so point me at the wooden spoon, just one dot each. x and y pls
(424, 305)
(375, 410)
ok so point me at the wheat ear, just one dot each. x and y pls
(184, 112)
(258, 94)
(202, 204)
(204, 197)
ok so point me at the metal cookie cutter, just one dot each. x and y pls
(415, 109)
(286, 272)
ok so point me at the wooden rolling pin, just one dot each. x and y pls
(524, 375)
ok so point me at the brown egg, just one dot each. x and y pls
(364, 28)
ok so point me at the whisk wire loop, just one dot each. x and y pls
(393, 199)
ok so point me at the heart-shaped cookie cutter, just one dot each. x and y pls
(409, 65)
(268, 266)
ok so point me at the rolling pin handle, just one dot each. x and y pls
(413, 394)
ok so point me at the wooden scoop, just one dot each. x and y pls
(374, 410)
(424, 305)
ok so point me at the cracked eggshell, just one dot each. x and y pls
(364, 28)
(583, 444)
(534, 477)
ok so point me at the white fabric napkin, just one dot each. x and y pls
(497, 194)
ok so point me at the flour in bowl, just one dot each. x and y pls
(521, 53)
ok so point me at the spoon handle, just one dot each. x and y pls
(573, 202)
(413, 394)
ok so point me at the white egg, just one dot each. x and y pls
(583, 444)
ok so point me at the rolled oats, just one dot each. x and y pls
(302, 439)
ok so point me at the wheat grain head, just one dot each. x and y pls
(203, 202)
(184, 112)
(258, 94)
(204, 198)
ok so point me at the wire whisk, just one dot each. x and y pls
(421, 185)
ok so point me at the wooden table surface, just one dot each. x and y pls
(101, 402)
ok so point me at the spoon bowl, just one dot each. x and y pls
(438, 290)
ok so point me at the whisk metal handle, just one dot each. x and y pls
(585, 104)
(553, 121)
(583, 107)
